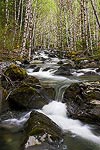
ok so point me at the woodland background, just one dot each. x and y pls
(28, 25)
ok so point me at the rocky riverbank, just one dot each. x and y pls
(21, 93)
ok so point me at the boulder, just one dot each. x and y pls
(12, 74)
(26, 97)
(79, 98)
(39, 124)
(47, 91)
(64, 70)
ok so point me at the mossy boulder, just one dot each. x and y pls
(31, 81)
(38, 123)
(12, 74)
(79, 98)
(26, 97)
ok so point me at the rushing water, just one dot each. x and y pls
(78, 136)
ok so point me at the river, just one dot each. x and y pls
(78, 135)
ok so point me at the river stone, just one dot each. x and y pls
(26, 97)
(39, 124)
(64, 70)
(11, 74)
(79, 98)
(25, 63)
(89, 73)
(88, 64)
(42, 146)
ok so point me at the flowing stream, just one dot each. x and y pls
(57, 111)
(78, 136)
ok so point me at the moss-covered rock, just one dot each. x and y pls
(11, 74)
(26, 97)
(38, 123)
(32, 81)
(79, 98)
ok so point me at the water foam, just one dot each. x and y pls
(46, 74)
(81, 72)
(17, 122)
(57, 112)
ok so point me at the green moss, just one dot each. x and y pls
(36, 131)
(15, 72)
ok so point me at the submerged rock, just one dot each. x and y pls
(79, 98)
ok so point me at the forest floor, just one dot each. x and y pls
(6, 55)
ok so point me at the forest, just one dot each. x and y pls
(28, 25)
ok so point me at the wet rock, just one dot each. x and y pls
(27, 94)
(89, 73)
(7, 114)
(32, 66)
(82, 63)
(12, 74)
(25, 63)
(46, 69)
(64, 70)
(98, 70)
(38, 123)
(48, 92)
(52, 55)
(43, 146)
(87, 64)
(79, 98)
(36, 69)
(26, 97)
(60, 63)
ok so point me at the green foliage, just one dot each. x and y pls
(45, 7)
(57, 23)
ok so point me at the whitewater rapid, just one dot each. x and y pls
(57, 111)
